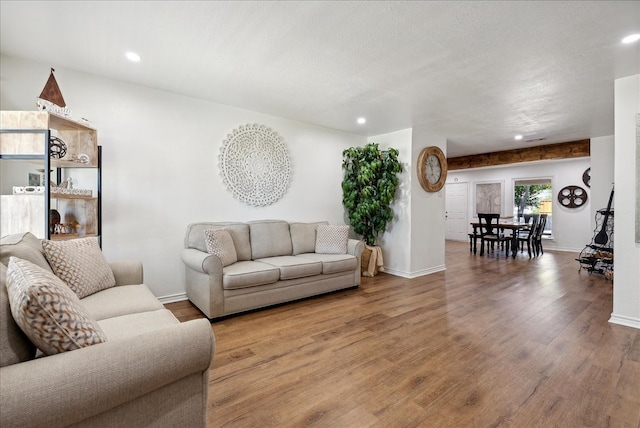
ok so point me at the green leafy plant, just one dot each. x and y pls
(368, 188)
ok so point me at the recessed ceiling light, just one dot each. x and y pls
(361, 121)
(631, 38)
(133, 57)
(518, 137)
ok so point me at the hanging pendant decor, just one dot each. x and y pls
(254, 165)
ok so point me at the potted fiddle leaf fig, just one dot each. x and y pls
(368, 189)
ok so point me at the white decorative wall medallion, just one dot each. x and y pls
(254, 165)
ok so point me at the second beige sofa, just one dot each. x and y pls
(277, 263)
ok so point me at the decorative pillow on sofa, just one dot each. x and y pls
(332, 239)
(303, 236)
(220, 243)
(80, 264)
(15, 346)
(47, 311)
(24, 246)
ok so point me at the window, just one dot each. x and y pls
(533, 196)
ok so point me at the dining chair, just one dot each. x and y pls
(538, 236)
(491, 234)
(527, 236)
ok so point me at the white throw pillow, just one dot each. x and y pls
(80, 264)
(48, 311)
(332, 239)
(220, 243)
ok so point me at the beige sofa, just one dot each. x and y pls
(151, 371)
(276, 263)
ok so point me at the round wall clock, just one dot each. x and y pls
(432, 169)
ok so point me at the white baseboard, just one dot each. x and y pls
(416, 274)
(626, 321)
(172, 298)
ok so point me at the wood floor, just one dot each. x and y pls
(487, 343)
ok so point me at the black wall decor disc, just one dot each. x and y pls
(586, 177)
(572, 196)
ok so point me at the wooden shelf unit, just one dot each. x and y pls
(24, 137)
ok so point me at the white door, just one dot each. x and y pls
(456, 206)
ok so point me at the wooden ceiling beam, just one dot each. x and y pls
(572, 149)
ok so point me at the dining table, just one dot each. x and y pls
(514, 226)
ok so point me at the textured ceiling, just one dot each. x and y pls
(476, 73)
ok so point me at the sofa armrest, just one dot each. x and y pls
(202, 262)
(355, 247)
(203, 278)
(127, 272)
(66, 388)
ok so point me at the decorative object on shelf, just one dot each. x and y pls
(54, 221)
(572, 196)
(57, 148)
(586, 177)
(368, 188)
(44, 178)
(51, 98)
(81, 158)
(34, 179)
(25, 190)
(254, 165)
(61, 191)
(432, 169)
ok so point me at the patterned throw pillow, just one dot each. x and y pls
(332, 239)
(80, 264)
(47, 311)
(220, 243)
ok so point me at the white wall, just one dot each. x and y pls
(428, 222)
(413, 244)
(396, 240)
(571, 227)
(602, 173)
(160, 164)
(626, 283)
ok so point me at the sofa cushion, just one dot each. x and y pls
(294, 267)
(15, 346)
(126, 326)
(248, 274)
(48, 312)
(80, 264)
(332, 239)
(333, 263)
(269, 238)
(220, 243)
(121, 300)
(303, 237)
(24, 246)
(239, 232)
